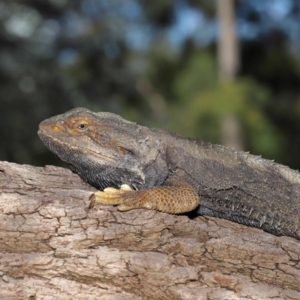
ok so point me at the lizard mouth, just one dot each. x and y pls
(48, 138)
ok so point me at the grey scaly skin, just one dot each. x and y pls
(173, 174)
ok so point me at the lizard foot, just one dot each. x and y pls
(175, 198)
(125, 198)
(110, 196)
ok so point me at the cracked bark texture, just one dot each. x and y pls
(53, 247)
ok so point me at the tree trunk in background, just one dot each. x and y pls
(228, 49)
(232, 132)
(228, 63)
(53, 247)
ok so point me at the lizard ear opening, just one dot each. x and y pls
(124, 151)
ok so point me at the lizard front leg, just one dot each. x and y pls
(173, 197)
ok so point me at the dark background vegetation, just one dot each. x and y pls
(153, 62)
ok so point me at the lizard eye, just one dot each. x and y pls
(82, 126)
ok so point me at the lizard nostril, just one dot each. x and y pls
(56, 128)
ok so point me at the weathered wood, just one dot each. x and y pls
(53, 247)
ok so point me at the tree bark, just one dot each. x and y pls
(53, 247)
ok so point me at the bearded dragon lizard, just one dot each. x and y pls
(138, 167)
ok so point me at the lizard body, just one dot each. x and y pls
(173, 174)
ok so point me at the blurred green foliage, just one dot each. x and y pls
(153, 62)
(201, 101)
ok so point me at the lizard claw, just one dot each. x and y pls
(92, 198)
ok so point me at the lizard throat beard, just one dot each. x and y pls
(59, 148)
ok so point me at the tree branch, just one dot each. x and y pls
(53, 247)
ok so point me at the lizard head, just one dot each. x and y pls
(105, 149)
